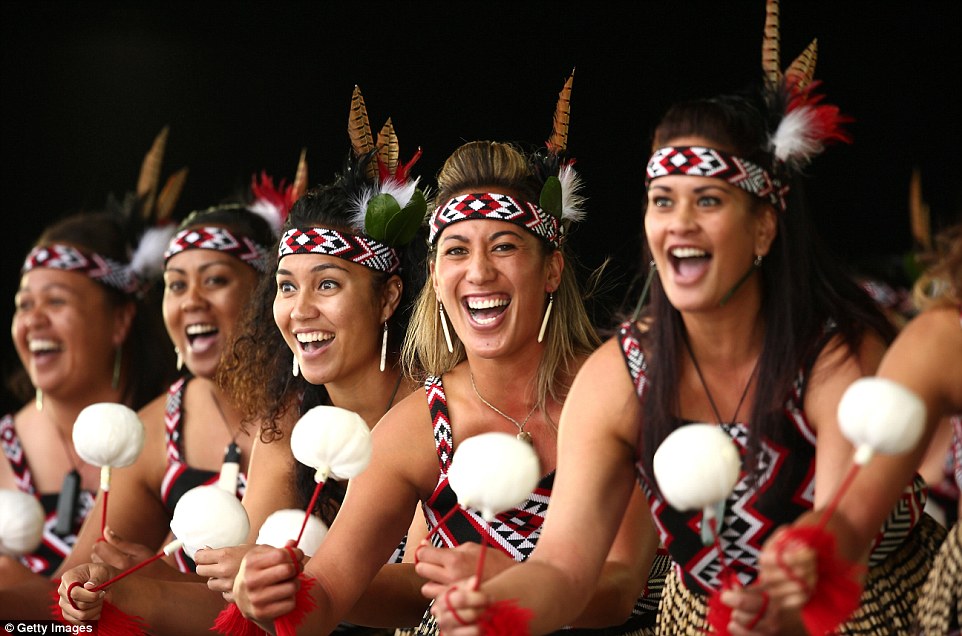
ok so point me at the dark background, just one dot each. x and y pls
(244, 86)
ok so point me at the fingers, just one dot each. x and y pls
(266, 582)
(78, 602)
(458, 609)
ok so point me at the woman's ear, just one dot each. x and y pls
(556, 265)
(766, 229)
(123, 321)
(391, 296)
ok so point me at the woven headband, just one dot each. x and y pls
(496, 207)
(221, 240)
(351, 247)
(68, 258)
(699, 161)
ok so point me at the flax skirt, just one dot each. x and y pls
(888, 604)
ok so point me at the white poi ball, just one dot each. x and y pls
(209, 517)
(334, 441)
(282, 526)
(493, 472)
(21, 522)
(879, 415)
(696, 466)
(108, 434)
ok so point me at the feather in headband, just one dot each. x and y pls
(274, 202)
(389, 206)
(805, 125)
(561, 193)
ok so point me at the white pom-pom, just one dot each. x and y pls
(696, 466)
(209, 517)
(21, 522)
(493, 472)
(879, 415)
(334, 441)
(108, 434)
(283, 525)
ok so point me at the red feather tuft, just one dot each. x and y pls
(719, 614)
(505, 618)
(828, 119)
(231, 622)
(303, 603)
(401, 174)
(112, 622)
(281, 197)
(837, 590)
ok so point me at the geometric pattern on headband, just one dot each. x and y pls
(351, 247)
(221, 240)
(68, 258)
(496, 207)
(699, 161)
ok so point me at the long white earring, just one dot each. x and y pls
(180, 359)
(444, 327)
(384, 347)
(38, 400)
(547, 314)
(295, 368)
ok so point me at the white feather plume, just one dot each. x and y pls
(148, 259)
(401, 191)
(269, 212)
(796, 140)
(572, 202)
(359, 205)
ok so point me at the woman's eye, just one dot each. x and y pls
(23, 305)
(455, 251)
(661, 202)
(285, 287)
(328, 284)
(216, 281)
(709, 201)
(176, 286)
(504, 247)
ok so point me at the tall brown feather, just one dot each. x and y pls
(802, 70)
(359, 130)
(169, 195)
(299, 187)
(558, 142)
(919, 215)
(771, 64)
(150, 168)
(387, 147)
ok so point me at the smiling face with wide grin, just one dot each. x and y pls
(331, 316)
(493, 278)
(204, 293)
(704, 234)
(66, 332)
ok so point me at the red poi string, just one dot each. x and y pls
(123, 574)
(103, 514)
(310, 509)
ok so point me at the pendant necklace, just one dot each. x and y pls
(523, 435)
(230, 468)
(68, 500)
(719, 511)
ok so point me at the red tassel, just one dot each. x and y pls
(303, 603)
(719, 614)
(231, 622)
(113, 621)
(837, 590)
(505, 618)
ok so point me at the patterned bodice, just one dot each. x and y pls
(781, 489)
(53, 548)
(179, 476)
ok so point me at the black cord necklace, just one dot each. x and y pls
(704, 385)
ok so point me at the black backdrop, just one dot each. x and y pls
(245, 85)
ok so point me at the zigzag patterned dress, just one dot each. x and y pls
(899, 560)
(53, 548)
(514, 532)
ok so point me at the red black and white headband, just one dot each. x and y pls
(100, 268)
(699, 161)
(351, 247)
(221, 240)
(497, 207)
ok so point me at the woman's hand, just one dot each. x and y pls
(755, 614)
(445, 566)
(266, 581)
(118, 553)
(220, 568)
(458, 607)
(83, 604)
(788, 570)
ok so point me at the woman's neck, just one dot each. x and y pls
(63, 412)
(370, 394)
(509, 381)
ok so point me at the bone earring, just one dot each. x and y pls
(444, 327)
(384, 347)
(38, 400)
(295, 368)
(118, 360)
(180, 358)
(547, 314)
